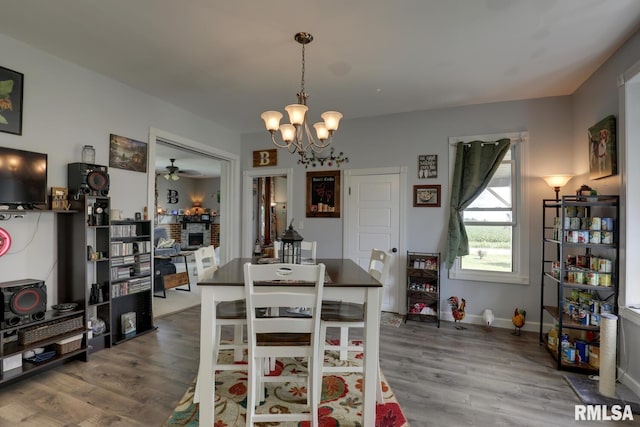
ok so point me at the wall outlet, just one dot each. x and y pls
(300, 225)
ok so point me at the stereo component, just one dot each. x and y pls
(24, 301)
(85, 178)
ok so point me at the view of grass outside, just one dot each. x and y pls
(489, 248)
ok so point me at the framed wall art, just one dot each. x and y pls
(323, 194)
(427, 166)
(603, 159)
(11, 89)
(128, 154)
(426, 196)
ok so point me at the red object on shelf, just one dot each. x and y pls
(5, 241)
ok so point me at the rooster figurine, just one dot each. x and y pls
(457, 310)
(518, 320)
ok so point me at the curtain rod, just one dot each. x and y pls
(511, 141)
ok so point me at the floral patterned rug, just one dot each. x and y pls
(341, 402)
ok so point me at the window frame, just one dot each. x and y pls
(520, 250)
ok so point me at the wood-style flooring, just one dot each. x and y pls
(442, 377)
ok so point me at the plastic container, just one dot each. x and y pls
(88, 154)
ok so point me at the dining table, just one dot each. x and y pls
(346, 281)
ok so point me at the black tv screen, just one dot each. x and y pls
(23, 177)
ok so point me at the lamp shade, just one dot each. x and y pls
(331, 120)
(557, 180)
(296, 113)
(321, 131)
(271, 120)
(288, 132)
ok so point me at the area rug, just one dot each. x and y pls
(341, 401)
(391, 319)
(588, 392)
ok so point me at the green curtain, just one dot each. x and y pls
(476, 162)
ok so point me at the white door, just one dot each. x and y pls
(372, 214)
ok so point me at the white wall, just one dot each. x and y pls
(597, 98)
(397, 140)
(66, 107)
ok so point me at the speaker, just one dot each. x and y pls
(24, 301)
(85, 178)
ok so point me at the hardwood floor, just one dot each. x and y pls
(442, 377)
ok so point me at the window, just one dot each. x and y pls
(497, 221)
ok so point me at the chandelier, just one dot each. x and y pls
(296, 135)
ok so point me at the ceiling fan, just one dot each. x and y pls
(172, 171)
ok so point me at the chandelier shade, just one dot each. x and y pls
(296, 135)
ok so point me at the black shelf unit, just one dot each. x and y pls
(580, 263)
(95, 277)
(131, 286)
(71, 244)
(423, 287)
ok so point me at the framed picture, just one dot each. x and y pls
(138, 216)
(129, 154)
(11, 89)
(603, 159)
(428, 166)
(426, 196)
(323, 194)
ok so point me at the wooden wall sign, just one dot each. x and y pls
(323, 194)
(265, 158)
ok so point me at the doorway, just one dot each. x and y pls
(227, 204)
(258, 193)
(374, 218)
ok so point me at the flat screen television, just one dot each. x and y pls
(23, 177)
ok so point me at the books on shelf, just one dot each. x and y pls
(124, 230)
(130, 287)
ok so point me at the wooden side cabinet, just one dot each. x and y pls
(423, 287)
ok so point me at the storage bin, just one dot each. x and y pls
(47, 330)
(68, 345)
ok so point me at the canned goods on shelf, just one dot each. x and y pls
(604, 265)
(595, 237)
(595, 223)
(607, 224)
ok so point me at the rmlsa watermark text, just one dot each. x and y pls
(603, 413)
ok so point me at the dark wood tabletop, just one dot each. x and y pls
(343, 272)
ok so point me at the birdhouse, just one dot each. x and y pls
(291, 246)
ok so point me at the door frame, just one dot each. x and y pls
(229, 186)
(402, 217)
(247, 202)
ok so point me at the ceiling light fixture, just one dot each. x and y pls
(294, 133)
(172, 172)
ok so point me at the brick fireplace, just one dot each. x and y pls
(175, 232)
(195, 234)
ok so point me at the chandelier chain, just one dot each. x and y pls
(303, 67)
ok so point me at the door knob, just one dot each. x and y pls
(394, 250)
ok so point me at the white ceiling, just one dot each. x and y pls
(230, 60)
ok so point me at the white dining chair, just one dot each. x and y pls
(272, 337)
(343, 315)
(205, 259)
(308, 247)
(228, 313)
